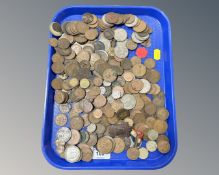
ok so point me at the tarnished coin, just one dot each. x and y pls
(117, 105)
(109, 34)
(86, 105)
(84, 83)
(77, 94)
(163, 146)
(131, 45)
(91, 128)
(133, 153)
(97, 113)
(98, 45)
(152, 134)
(87, 154)
(149, 63)
(120, 34)
(57, 58)
(162, 137)
(55, 29)
(129, 101)
(162, 113)
(150, 122)
(160, 126)
(53, 42)
(99, 101)
(137, 85)
(121, 52)
(63, 43)
(135, 60)
(139, 70)
(123, 113)
(109, 75)
(61, 119)
(75, 137)
(126, 64)
(92, 139)
(63, 134)
(119, 145)
(151, 146)
(98, 81)
(104, 145)
(57, 83)
(153, 76)
(117, 92)
(60, 97)
(76, 48)
(150, 108)
(91, 34)
(128, 76)
(58, 68)
(72, 154)
(140, 27)
(146, 86)
(143, 153)
(84, 136)
(77, 123)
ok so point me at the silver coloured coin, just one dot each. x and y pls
(135, 39)
(72, 154)
(147, 86)
(63, 134)
(98, 45)
(91, 128)
(102, 90)
(76, 47)
(64, 108)
(121, 52)
(120, 34)
(134, 22)
(151, 146)
(110, 99)
(128, 101)
(103, 54)
(105, 83)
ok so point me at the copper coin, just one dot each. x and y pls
(153, 76)
(77, 123)
(108, 33)
(97, 81)
(53, 42)
(119, 145)
(104, 145)
(57, 58)
(162, 137)
(99, 101)
(111, 17)
(60, 97)
(150, 108)
(108, 110)
(131, 45)
(57, 83)
(141, 27)
(163, 146)
(150, 122)
(61, 119)
(92, 140)
(135, 60)
(63, 52)
(75, 137)
(57, 68)
(87, 18)
(113, 120)
(91, 34)
(97, 113)
(63, 43)
(82, 27)
(139, 70)
(86, 106)
(162, 113)
(128, 76)
(160, 126)
(149, 63)
(92, 119)
(109, 75)
(133, 153)
(139, 102)
(77, 95)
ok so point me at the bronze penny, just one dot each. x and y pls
(82, 27)
(75, 137)
(162, 113)
(63, 43)
(139, 118)
(139, 70)
(141, 27)
(135, 60)
(71, 56)
(133, 153)
(109, 34)
(163, 146)
(53, 42)
(137, 84)
(117, 105)
(150, 108)
(111, 17)
(99, 101)
(160, 126)
(93, 119)
(77, 94)
(153, 76)
(86, 106)
(108, 110)
(149, 63)
(55, 29)
(87, 18)
(80, 39)
(162, 137)
(97, 81)
(57, 83)
(97, 113)
(60, 97)
(92, 139)
(77, 123)
(104, 145)
(131, 45)
(139, 102)
(65, 85)
(150, 122)
(58, 68)
(57, 58)
(63, 52)
(91, 34)
(119, 145)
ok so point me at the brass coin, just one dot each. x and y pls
(160, 126)
(162, 113)
(77, 123)
(104, 145)
(75, 137)
(149, 63)
(84, 83)
(63, 52)
(139, 70)
(139, 102)
(99, 101)
(91, 34)
(97, 113)
(61, 119)
(131, 45)
(57, 83)
(119, 145)
(133, 153)
(150, 109)
(143, 153)
(139, 118)
(163, 146)
(152, 134)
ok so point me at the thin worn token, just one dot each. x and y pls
(64, 108)
(147, 86)
(119, 145)
(137, 84)
(149, 63)
(97, 113)
(152, 134)
(117, 92)
(109, 75)
(160, 126)
(104, 145)
(120, 34)
(91, 128)
(61, 119)
(75, 137)
(72, 154)
(163, 146)
(91, 34)
(139, 70)
(84, 83)
(162, 113)
(128, 76)
(77, 123)
(133, 153)
(99, 101)
(55, 29)
(141, 52)
(63, 134)
(131, 45)
(143, 153)
(151, 146)
(57, 83)
(92, 139)
(129, 101)
(150, 108)
(73, 82)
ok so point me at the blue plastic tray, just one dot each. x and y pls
(161, 39)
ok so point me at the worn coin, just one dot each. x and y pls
(75, 137)
(133, 153)
(104, 145)
(121, 52)
(99, 101)
(163, 146)
(162, 113)
(143, 153)
(77, 123)
(129, 101)
(63, 134)
(160, 126)
(61, 119)
(119, 145)
(139, 70)
(149, 63)
(120, 34)
(131, 45)
(72, 154)
(151, 146)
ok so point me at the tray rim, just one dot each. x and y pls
(167, 162)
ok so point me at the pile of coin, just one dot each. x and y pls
(106, 101)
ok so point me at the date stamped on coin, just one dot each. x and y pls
(98, 155)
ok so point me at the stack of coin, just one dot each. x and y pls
(102, 93)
